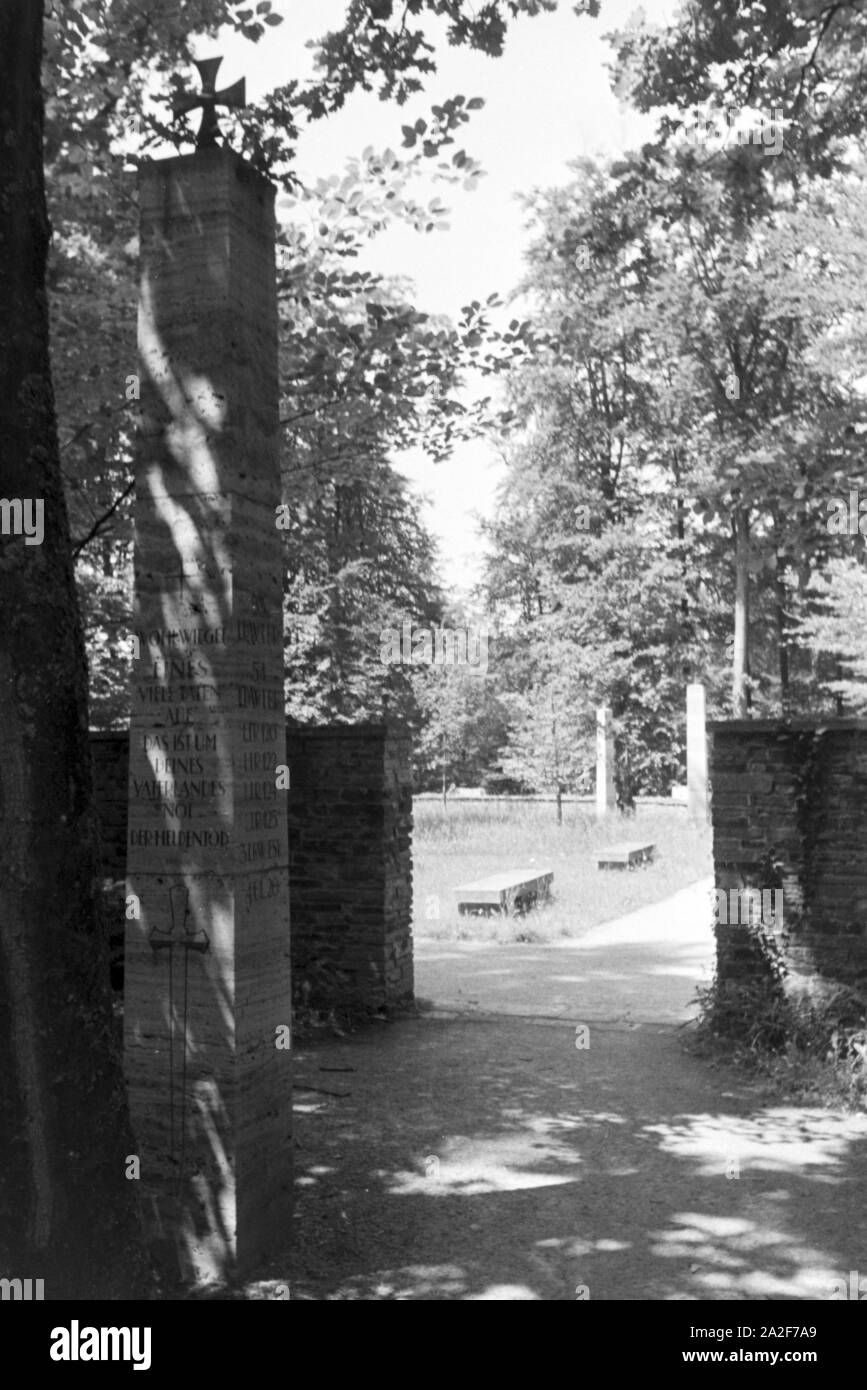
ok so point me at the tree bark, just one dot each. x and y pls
(740, 664)
(67, 1213)
(782, 643)
(685, 617)
(443, 754)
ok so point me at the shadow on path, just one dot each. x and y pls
(478, 1159)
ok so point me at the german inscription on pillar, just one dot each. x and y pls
(207, 961)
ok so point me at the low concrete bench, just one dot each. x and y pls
(626, 855)
(512, 891)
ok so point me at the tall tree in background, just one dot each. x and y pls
(464, 717)
(835, 631)
(365, 373)
(691, 406)
(800, 66)
(67, 1213)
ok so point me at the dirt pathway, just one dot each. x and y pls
(644, 966)
(481, 1154)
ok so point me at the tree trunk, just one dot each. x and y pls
(686, 625)
(740, 671)
(67, 1213)
(443, 756)
(782, 642)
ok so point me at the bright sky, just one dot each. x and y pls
(547, 102)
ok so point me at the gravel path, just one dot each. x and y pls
(475, 1152)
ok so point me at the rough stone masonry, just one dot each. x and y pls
(350, 859)
(207, 992)
(789, 810)
(350, 829)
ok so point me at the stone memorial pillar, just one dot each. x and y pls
(696, 753)
(606, 795)
(207, 992)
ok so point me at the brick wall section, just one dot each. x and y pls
(789, 810)
(350, 861)
(350, 855)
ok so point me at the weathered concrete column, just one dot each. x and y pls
(606, 796)
(696, 753)
(207, 963)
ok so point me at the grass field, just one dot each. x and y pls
(471, 840)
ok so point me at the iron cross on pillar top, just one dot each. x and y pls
(209, 100)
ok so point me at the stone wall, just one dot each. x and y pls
(789, 811)
(350, 862)
(350, 856)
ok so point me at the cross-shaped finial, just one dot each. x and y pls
(209, 100)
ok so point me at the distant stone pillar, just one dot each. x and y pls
(606, 796)
(696, 754)
(207, 994)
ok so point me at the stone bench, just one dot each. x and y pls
(512, 891)
(626, 855)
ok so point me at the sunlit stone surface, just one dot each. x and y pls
(207, 963)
